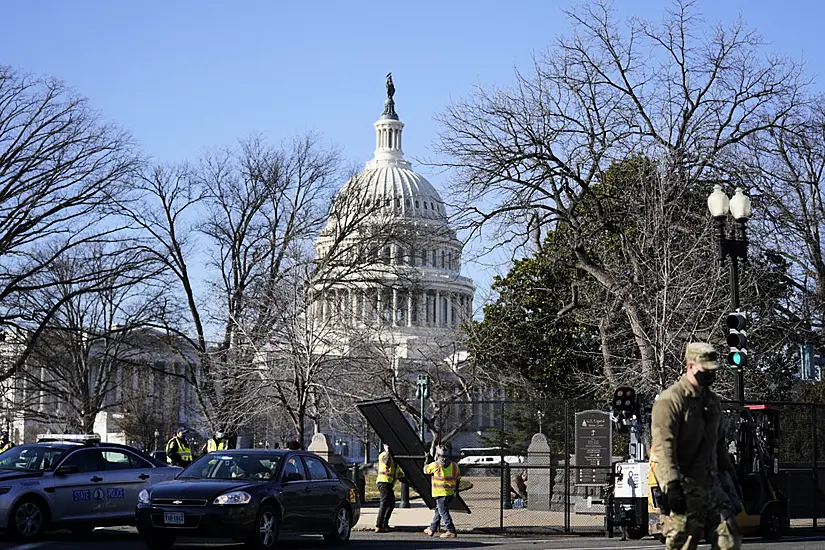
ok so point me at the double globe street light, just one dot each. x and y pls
(733, 244)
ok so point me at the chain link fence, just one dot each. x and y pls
(548, 497)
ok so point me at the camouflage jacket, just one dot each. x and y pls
(687, 429)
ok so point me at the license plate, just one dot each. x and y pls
(173, 518)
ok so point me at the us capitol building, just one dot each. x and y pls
(408, 288)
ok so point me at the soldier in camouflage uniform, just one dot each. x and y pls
(689, 444)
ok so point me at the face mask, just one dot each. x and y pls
(219, 435)
(705, 378)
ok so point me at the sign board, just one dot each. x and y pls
(593, 447)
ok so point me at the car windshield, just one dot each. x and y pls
(250, 467)
(31, 458)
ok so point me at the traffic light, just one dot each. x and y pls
(737, 339)
(624, 400)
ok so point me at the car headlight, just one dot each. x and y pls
(235, 497)
(143, 497)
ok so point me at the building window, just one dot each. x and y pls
(416, 203)
(423, 256)
(397, 202)
(435, 262)
(425, 205)
(443, 259)
(450, 260)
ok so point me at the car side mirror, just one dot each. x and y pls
(66, 470)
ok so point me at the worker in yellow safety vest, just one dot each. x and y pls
(178, 452)
(388, 473)
(445, 480)
(218, 442)
(5, 442)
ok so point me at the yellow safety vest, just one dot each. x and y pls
(389, 472)
(184, 451)
(445, 478)
(6, 447)
(222, 446)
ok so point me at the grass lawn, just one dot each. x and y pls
(371, 489)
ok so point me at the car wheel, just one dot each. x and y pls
(28, 519)
(158, 542)
(342, 528)
(266, 529)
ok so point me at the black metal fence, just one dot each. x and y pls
(556, 503)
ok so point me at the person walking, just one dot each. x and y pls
(388, 473)
(178, 452)
(687, 429)
(445, 479)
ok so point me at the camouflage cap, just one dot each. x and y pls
(702, 354)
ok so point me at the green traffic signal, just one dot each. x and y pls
(737, 358)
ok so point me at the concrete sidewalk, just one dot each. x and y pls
(414, 518)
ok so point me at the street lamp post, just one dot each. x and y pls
(733, 244)
(157, 436)
(422, 391)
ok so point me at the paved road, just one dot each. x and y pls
(127, 539)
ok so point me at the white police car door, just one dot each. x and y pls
(126, 475)
(77, 495)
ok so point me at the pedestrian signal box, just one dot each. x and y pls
(737, 339)
(624, 399)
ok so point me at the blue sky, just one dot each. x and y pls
(184, 76)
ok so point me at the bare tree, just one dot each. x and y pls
(787, 168)
(88, 343)
(250, 208)
(60, 167)
(536, 158)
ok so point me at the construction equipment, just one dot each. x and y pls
(627, 495)
(635, 499)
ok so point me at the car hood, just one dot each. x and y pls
(8, 475)
(195, 488)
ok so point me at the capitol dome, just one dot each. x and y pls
(406, 277)
(396, 187)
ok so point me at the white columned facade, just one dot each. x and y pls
(394, 307)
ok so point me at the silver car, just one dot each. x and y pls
(61, 484)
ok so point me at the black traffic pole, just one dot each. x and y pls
(734, 247)
(738, 372)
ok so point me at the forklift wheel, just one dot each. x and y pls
(635, 533)
(773, 523)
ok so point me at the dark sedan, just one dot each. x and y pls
(252, 495)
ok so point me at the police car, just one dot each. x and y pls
(75, 482)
